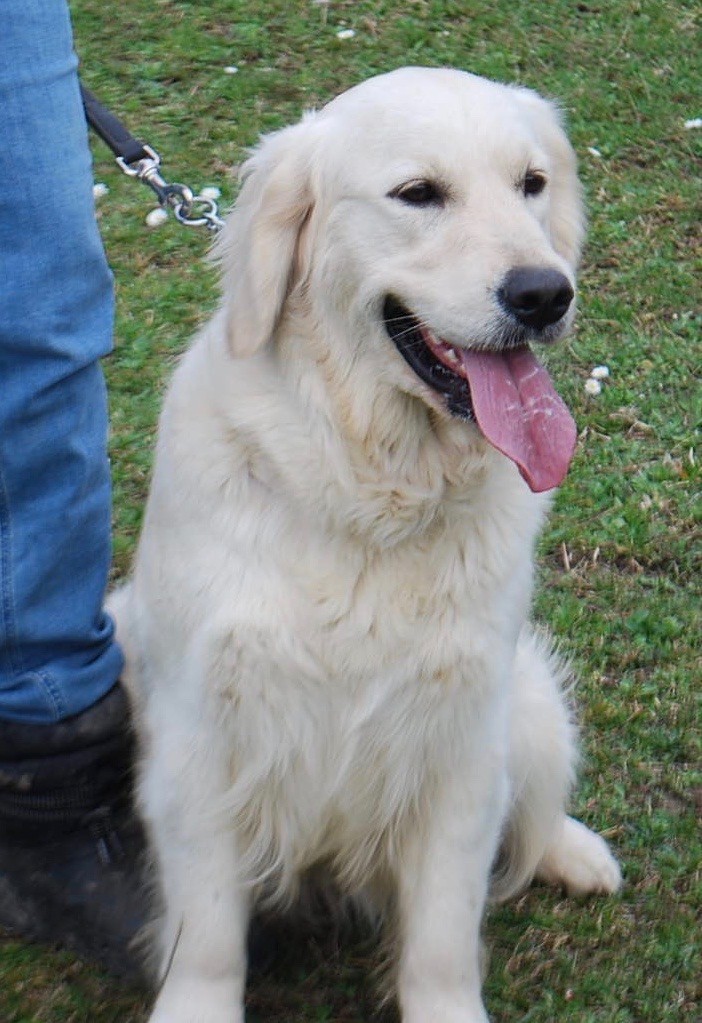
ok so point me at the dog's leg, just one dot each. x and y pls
(579, 860)
(541, 840)
(203, 931)
(442, 877)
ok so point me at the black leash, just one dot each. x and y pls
(138, 160)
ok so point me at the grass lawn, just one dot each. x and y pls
(620, 561)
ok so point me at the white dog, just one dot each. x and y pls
(327, 628)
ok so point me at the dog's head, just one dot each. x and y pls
(433, 219)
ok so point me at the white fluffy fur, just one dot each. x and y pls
(326, 629)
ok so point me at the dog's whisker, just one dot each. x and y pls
(414, 325)
(406, 333)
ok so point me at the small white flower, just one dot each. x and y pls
(593, 387)
(210, 192)
(154, 218)
(694, 122)
(99, 189)
(231, 69)
(594, 152)
(600, 373)
(345, 33)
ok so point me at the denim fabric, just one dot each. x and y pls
(57, 652)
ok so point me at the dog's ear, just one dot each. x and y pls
(257, 248)
(567, 217)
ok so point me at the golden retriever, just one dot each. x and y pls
(327, 626)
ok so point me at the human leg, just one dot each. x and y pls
(68, 839)
(57, 653)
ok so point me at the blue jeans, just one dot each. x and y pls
(57, 650)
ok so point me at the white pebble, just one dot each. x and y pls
(210, 192)
(154, 218)
(594, 152)
(600, 373)
(694, 122)
(345, 33)
(99, 189)
(231, 69)
(593, 387)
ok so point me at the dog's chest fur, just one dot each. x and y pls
(365, 676)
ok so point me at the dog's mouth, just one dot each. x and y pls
(434, 361)
(508, 394)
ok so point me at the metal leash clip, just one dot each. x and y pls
(188, 209)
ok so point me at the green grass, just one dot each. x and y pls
(621, 558)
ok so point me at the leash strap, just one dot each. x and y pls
(138, 160)
(111, 130)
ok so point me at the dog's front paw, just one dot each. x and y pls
(579, 861)
(197, 1001)
(444, 1009)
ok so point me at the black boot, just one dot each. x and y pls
(71, 849)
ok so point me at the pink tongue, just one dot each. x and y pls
(521, 415)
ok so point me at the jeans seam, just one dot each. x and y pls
(51, 690)
(7, 595)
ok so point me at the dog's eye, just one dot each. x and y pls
(420, 192)
(533, 183)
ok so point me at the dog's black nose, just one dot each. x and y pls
(534, 296)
